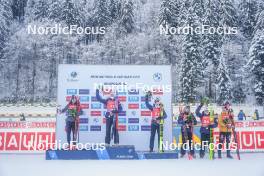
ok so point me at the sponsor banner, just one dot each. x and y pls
(94, 99)
(85, 106)
(84, 91)
(249, 139)
(122, 120)
(133, 127)
(250, 124)
(96, 113)
(122, 98)
(81, 79)
(145, 113)
(133, 106)
(84, 120)
(122, 113)
(145, 128)
(96, 105)
(121, 128)
(95, 128)
(26, 141)
(71, 91)
(84, 98)
(133, 120)
(133, 99)
(23, 125)
(83, 127)
(121, 93)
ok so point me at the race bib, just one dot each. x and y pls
(72, 110)
(225, 116)
(205, 121)
(156, 112)
(110, 105)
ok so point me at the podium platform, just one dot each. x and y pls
(122, 152)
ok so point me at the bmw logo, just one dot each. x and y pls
(73, 74)
(157, 77)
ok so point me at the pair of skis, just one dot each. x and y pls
(161, 131)
(161, 126)
(211, 140)
(237, 147)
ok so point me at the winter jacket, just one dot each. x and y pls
(160, 115)
(186, 120)
(73, 111)
(205, 129)
(107, 102)
(225, 118)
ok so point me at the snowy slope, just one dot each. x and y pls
(32, 165)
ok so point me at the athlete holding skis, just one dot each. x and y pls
(158, 115)
(113, 108)
(206, 125)
(187, 120)
(73, 111)
(226, 124)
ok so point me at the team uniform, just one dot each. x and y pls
(187, 120)
(206, 125)
(113, 107)
(226, 123)
(73, 111)
(157, 113)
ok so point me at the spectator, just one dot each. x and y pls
(241, 115)
(256, 115)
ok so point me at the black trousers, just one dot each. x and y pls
(224, 136)
(111, 130)
(70, 128)
(184, 142)
(205, 139)
(155, 128)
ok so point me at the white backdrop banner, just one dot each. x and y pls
(130, 84)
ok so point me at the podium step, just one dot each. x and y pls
(120, 152)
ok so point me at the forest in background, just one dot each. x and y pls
(221, 67)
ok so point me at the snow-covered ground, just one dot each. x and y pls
(36, 165)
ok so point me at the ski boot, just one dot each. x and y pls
(202, 155)
(182, 155)
(229, 155)
(219, 155)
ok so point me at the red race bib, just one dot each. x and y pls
(155, 113)
(225, 116)
(110, 105)
(205, 121)
(72, 107)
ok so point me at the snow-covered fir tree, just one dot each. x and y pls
(256, 65)
(101, 13)
(70, 14)
(126, 22)
(228, 13)
(191, 69)
(248, 16)
(224, 83)
(18, 9)
(5, 21)
(170, 12)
